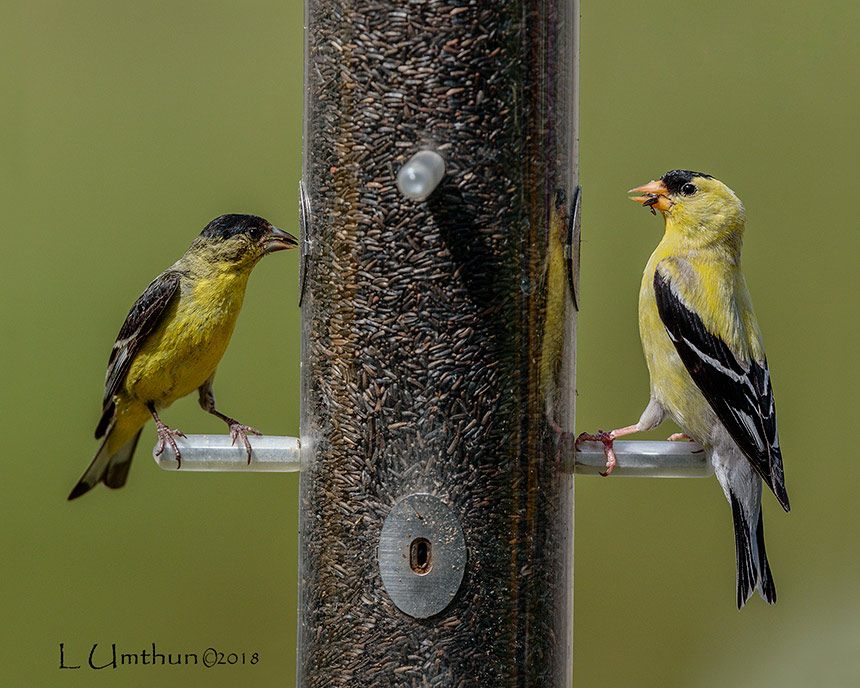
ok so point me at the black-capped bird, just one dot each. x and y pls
(706, 357)
(174, 337)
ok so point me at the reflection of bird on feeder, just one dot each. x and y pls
(555, 274)
(174, 337)
(706, 358)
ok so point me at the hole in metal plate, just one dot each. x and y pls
(421, 556)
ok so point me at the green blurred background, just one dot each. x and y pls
(125, 127)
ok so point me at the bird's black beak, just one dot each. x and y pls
(277, 240)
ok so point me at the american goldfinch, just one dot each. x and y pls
(706, 359)
(174, 337)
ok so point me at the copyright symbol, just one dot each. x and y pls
(210, 657)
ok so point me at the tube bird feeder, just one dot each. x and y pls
(438, 321)
(439, 279)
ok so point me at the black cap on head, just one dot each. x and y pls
(675, 179)
(228, 226)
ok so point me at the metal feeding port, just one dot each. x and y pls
(422, 555)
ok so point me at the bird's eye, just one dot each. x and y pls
(688, 189)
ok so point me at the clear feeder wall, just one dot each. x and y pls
(438, 347)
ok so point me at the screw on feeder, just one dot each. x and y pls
(421, 174)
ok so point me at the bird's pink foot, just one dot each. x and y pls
(165, 437)
(607, 438)
(678, 436)
(238, 430)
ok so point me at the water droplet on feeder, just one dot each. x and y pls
(420, 175)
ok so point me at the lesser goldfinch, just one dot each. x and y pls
(706, 359)
(174, 337)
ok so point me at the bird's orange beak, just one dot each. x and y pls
(656, 196)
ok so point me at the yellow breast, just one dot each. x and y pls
(182, 352)
(671, 384)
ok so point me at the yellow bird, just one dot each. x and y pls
(706, 358)
(172, 340)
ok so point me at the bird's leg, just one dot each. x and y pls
(165, 436)
(602, 436)
(678, 436)
(607, 438)
(237, 429)
(651, 417)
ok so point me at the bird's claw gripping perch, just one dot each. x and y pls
(607, 438)
(238, 430)
(165, 436)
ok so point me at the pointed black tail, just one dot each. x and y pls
(753, 569)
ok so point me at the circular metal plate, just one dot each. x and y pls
(422, 555)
